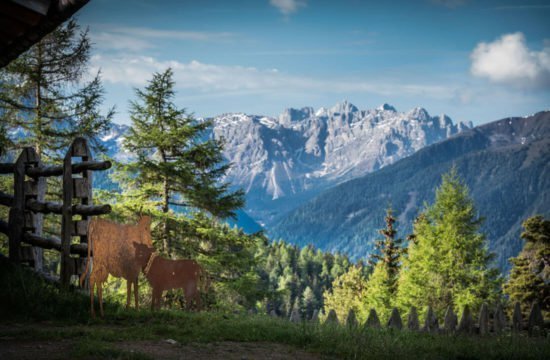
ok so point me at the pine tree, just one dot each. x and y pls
(382, 284)
(448, 263)
(43, 93)
(530, 273)
(175, 166)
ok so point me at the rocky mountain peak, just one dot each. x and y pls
(344, 107)
(386, 107)
(419, 113)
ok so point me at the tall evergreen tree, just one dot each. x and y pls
(530, 275)
(448, 263)
(175, 166)
(382, 284)
(44, 93)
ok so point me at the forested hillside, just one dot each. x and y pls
(504, 163)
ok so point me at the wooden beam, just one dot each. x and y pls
(54, 243)
(55, 208)
(58, 13)
(21, 13)
(77, 168)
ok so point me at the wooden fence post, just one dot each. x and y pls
(449, 323)
(484, 320)
(535, 324)
(332, 318)
(395, 320)
(499, 320)
(412, 320)
(517, 319)
(466, 324)
(18, 220)
(431, 324)
(79, 188)
(351, 319)
(372, 320)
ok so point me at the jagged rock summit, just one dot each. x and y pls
(283, 161)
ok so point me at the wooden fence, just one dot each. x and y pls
(27, 206)
(487, 323)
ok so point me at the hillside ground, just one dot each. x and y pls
(38, 321)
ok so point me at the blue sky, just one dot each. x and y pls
(473, 60)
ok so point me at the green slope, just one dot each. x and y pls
(506, 165)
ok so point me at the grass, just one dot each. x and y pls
(64, 316)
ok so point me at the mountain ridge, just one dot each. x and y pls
(285, 160)
(504, 163)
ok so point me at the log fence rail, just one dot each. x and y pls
(27, 207)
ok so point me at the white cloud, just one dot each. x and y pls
(288, 7)
(509, 61)
(139, 38)
(217, 79)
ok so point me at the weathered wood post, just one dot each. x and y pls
(431, 323)
(450, 321)
(372, 320)
(484, 320)
(412, 320)
(466, 325)
(395, 320)
(517, 318)
(535, 324)
(499, 320)
(351, 320)
(74, 188)
(20, 219)
(332, 318)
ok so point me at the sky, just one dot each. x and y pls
(473, 60)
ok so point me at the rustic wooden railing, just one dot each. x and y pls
(27, 207)
(487, 323)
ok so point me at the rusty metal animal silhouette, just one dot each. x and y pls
(166, 274)
(113, 253)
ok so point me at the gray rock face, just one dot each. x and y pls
(286, 160)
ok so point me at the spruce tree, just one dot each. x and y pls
(44, 92)
(530, 273)
(382, 284)
(175, 166)
(448, 263)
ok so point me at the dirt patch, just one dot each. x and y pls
(14, 349)
(221, 350)
(11, 348)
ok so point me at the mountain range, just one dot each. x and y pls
(505, 164)
(282, 162)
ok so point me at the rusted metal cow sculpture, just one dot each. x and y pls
(114, 253)
(166, 274)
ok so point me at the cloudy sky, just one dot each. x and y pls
(473, 60)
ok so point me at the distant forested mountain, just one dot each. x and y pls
(506, 165)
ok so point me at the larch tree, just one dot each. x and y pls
(382, 284)
(45, 94)
(530, 274)
(175, 166)
(347, 293)
(448, 263)
(47, 98)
